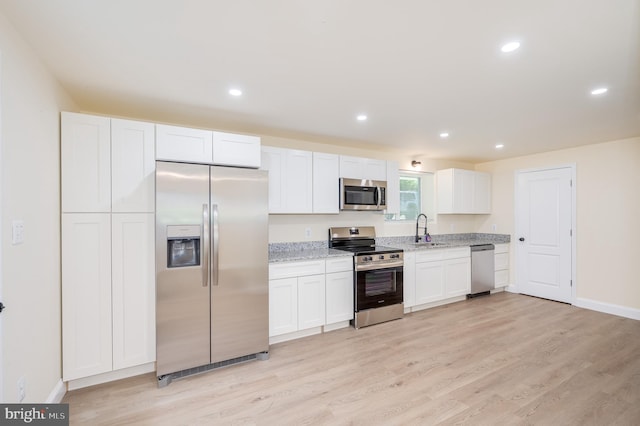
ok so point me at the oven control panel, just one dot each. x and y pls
(383, 260)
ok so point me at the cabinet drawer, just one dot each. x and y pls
(502, 248)
(501, 261)
(456, 253)
(339, 264)
(429, 255)
(295, 269)
(502, 278)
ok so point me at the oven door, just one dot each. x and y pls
(378, 287)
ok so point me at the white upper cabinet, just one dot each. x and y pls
(290, 179)
(184, 144)
(86, 164)
(205, 146)
(463, 192)
(362, 168)
(132, 166)
(326, 178)
(230, 149)
(393, 188)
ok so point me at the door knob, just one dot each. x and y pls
(521, 238)
(1, 307)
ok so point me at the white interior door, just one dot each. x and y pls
(1, 237)
(544, 222)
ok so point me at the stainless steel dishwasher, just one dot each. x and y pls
(482, 269)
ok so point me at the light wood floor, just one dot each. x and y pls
(503, 359)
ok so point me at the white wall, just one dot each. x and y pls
(607, 212)
(31, 101)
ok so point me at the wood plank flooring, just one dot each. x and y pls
(503, 359)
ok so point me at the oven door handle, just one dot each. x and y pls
(371, 267)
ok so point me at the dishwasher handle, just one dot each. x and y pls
(483, 247)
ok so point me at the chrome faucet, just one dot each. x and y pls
(426, 234)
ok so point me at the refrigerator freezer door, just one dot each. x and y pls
(182, 301)
(240, 284)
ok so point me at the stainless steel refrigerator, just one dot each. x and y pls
(212, 288)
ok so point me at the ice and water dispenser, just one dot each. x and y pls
(183, 246)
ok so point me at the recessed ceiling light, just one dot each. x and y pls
(499, 146)
(362, 117)
(444, 135)
(510, 47)
(599, 91)
(235, 92)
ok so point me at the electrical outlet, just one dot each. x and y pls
(17, 232)
(307, 233)
(494, 227)
(22, 388)
(453, 227)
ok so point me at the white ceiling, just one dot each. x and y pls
(307, 68)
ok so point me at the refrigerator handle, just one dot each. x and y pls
(205, 245)
(214, 266)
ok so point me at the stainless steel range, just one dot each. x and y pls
(377, 275)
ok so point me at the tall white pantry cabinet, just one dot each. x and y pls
(108, 291)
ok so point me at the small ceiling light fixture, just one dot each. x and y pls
(235, 92)
(361, 117)
(599, 91)
(499, 146)
(444, 135)
(510, 47)
(415, 163)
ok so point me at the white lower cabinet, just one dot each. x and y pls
(441, 274)
(429, 282)
(296, 296)
(133, 289)
(501, 265)
(409, 279)
(339, 297)
(311, 301)
(283, 306)
(86, 295)
(108, 292)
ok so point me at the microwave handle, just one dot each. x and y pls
(379, 195)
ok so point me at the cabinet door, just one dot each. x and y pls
(429, 282)
(409, 279)
(326, 183)
(339, 296)
(457, 277)
(298, 182)
(482, 193)
(85, 163)
(311, 301)
(86, 295)
(393, 188)
(283, 306)
(236, 150)
(375, 169)
(133, 289)
(351, 167)
(273, 160)
(133, 164)
(184, 144)
(463, 193)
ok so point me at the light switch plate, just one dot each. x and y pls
(17, 232)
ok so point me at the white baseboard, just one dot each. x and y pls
(608, 308)
(111, 376)
(512, 289)
(58, 392)
(295, 335)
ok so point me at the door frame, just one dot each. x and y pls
(518, 224)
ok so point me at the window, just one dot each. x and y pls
(416, 196)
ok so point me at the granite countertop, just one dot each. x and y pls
(315, 250)
(312, 250)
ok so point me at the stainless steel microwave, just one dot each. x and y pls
(363, 194)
